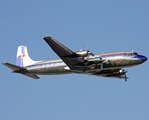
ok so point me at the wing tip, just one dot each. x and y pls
(47, 38)
(4, 63)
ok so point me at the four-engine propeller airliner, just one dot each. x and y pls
(81, 62)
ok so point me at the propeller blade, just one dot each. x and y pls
(88, 48)
(92, 54)
(101, 66)
(125, 78)
(89, 53)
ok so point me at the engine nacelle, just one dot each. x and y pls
(95, 60)
(82, 53)
(122, 71)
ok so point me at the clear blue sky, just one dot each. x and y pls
(106, 26)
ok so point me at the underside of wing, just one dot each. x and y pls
(67, 55)
(114, 73)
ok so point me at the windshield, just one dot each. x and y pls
(134, 53)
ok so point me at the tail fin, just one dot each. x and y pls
(23, 58)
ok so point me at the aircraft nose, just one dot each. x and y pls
(141, 57)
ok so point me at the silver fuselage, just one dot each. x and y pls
(111, 61)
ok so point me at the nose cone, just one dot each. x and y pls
(143, 58)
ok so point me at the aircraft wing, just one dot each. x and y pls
(67, 55)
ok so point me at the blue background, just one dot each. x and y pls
(106, 26)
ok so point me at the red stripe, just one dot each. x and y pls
(117, 60)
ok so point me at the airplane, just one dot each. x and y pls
(82, 62)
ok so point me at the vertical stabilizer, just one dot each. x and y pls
(23, 58)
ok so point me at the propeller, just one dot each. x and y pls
(102, 60)
(125, 78)
(88, 52)
(101, 65)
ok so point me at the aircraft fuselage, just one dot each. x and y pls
(111, 61)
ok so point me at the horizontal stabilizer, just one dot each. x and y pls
(18, 69)
(32, 76)
(13, 67)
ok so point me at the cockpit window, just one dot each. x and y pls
(130, 54)
(134, 53)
